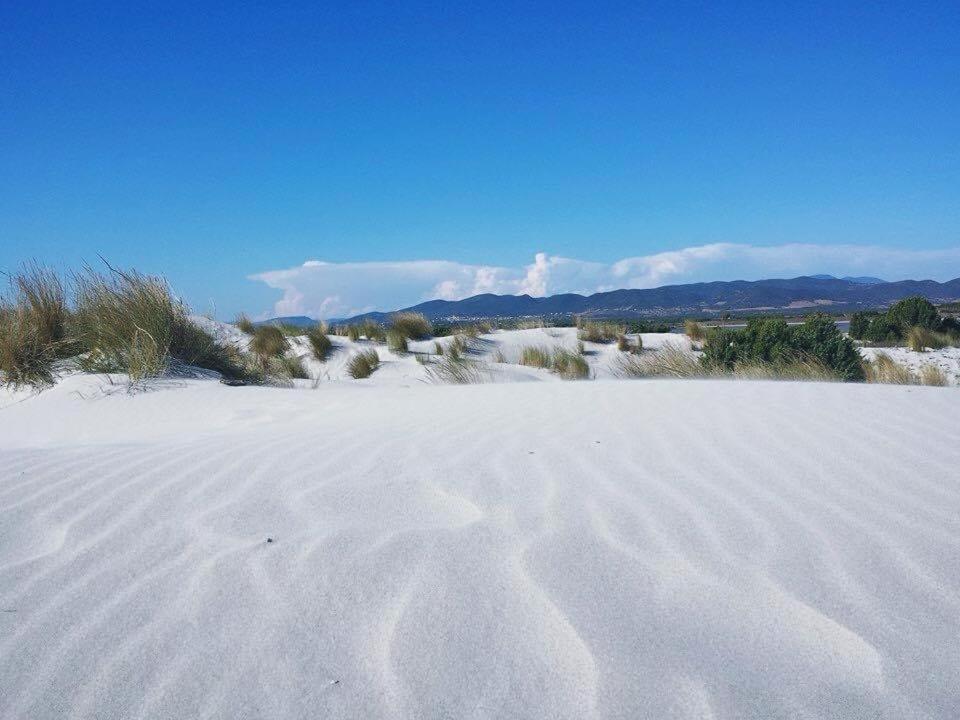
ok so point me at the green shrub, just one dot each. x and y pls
(411, 325)
(882, 331)
(320, 343)
(363, 364)
(914, 312)
(860, 324)
(770, 341)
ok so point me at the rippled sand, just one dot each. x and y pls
(698, 549)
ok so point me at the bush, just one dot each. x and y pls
(914, 312)
(882, 331)
(363, 364)
(411, 325)
(770, 341)
(860, 324)
(320, 343)
(268, 341)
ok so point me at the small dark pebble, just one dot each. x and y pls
(269, 540)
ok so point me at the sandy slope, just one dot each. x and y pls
(612, 549)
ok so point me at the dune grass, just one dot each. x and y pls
(132, 323)
(884, 370)
(320, 344)
(244, 324)
(920, 339)
(36, 328)
(694, 330)
(291, 366)
(397, 341)
(569, 365)
(363, 364)
(268, 341)
(668, 361)
(411, 325)
(805, 369)
(535, 356)
(600, 332)
(456, 370)
(932, 375)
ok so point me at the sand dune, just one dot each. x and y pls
(611, 549)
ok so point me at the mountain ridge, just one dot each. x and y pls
(700, 299)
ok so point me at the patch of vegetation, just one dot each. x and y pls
(397, 341)
(535, 356)
(569, 365)
(932, 375)
(291, 366)
(268, 341)
(245, 324)
(668, 361)
(411, 325)
(320, 344)
(885, 370)
(363, 364)
(770, 341)
(456, 370)
(694, 330)
(910, 316)
(600, 332)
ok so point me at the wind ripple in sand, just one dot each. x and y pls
(601, 550)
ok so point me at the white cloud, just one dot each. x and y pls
(323, 290)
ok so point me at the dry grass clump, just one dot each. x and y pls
(885, 370)
(458, 347)
(600, 332)
(534, 356)
(244, 324)
(669, 361)
(411, 325)
(363, 364)
(919, 339)
(624, 344)
(807, 369)
(438, 347)
(320, 344)
(397, 341)
(694, 330)
(931, 374)
(569, 365)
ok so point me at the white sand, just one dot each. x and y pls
(611, 549)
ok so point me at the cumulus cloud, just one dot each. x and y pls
(324, 290)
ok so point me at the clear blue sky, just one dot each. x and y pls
(208, 143)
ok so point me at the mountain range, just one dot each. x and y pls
(796, 295)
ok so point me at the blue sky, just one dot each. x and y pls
(226, 146)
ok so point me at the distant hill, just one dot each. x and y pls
(863, 280)
(801, 294)
(295, 320)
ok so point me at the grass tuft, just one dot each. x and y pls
(931, 374)
(534, 356)
(320, 344)
(600, 332)
(411, 325)
(694, 330)
(245, 324)
(397, 341)
(363, 364)
(268, 341)
(569, 365)
(883, 369)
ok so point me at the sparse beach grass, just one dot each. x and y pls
(363, 364)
